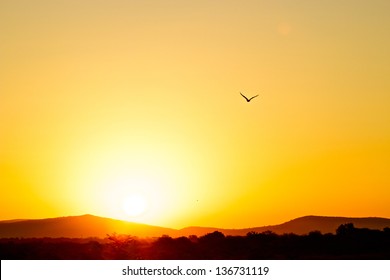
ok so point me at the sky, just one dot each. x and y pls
(131, 110)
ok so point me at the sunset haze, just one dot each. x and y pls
(106, 102)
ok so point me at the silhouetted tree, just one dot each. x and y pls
(123, 247)
(345, 229)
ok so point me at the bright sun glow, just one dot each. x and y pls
(134, 205)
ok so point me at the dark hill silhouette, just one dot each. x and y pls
(13, 221)
(93, 226)
(304, 225)
(78, 226)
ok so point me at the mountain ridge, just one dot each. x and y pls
(88, 225)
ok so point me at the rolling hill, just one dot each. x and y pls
(306, 224)
(78, 227)
(92, 226)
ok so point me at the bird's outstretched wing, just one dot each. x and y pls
(253, 97)
(245, 97)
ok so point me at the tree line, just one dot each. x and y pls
(348, 243)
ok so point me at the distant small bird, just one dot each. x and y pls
(248, 99)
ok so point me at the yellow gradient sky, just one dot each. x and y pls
(102, 100)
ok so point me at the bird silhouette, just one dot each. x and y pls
(248, 99)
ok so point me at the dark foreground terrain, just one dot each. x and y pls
(348, 243)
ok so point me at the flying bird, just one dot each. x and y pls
(248, 99)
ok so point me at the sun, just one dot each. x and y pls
(134, 205)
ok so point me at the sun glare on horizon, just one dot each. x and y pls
(132, 111)
(134, 205)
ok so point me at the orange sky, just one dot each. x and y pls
(102, 100)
